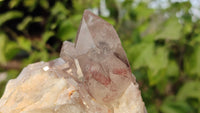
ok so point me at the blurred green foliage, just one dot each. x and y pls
(162, 43)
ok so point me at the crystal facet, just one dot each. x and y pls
(91, 76)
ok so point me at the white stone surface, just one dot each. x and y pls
(42, 91)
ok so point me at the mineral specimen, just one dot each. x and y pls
(91, 76)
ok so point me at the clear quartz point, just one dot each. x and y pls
(103, 62)
(102, 59)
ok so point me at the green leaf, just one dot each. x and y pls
(171, 106)
(152, 109)
(45, 38)
(79, 7)
(30, 4)
(3, 38)
(110, 20)
(44, 4)
(189, 90)
(157, 76)
(24, 43)
(171, 30)
(140, 57)
(195, 40)
(156, 59)
(47, 35)
(12, 74)
(192, 62)
(44, 55)
(143, 29)
(38, 19)
(66, 31)
(9, 16)
(24, 23)
(187, 28)
(36, 56)
(11, 50)
(58, 9)
(172, 69)
(157, 65)
(143, 12)
(14, 3)
(159, 59)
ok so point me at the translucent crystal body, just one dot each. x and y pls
(103, 62)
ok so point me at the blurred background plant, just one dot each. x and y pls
(161, 38)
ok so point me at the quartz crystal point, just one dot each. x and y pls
(103, 62)
(91, 76)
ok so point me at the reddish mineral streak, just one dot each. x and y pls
(101, 78)
(119, 71)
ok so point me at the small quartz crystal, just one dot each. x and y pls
(91, 76)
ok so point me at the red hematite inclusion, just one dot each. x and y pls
(103, 62)
(122, 72)
(100, 78)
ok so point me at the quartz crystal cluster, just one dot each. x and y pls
(91, 76)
